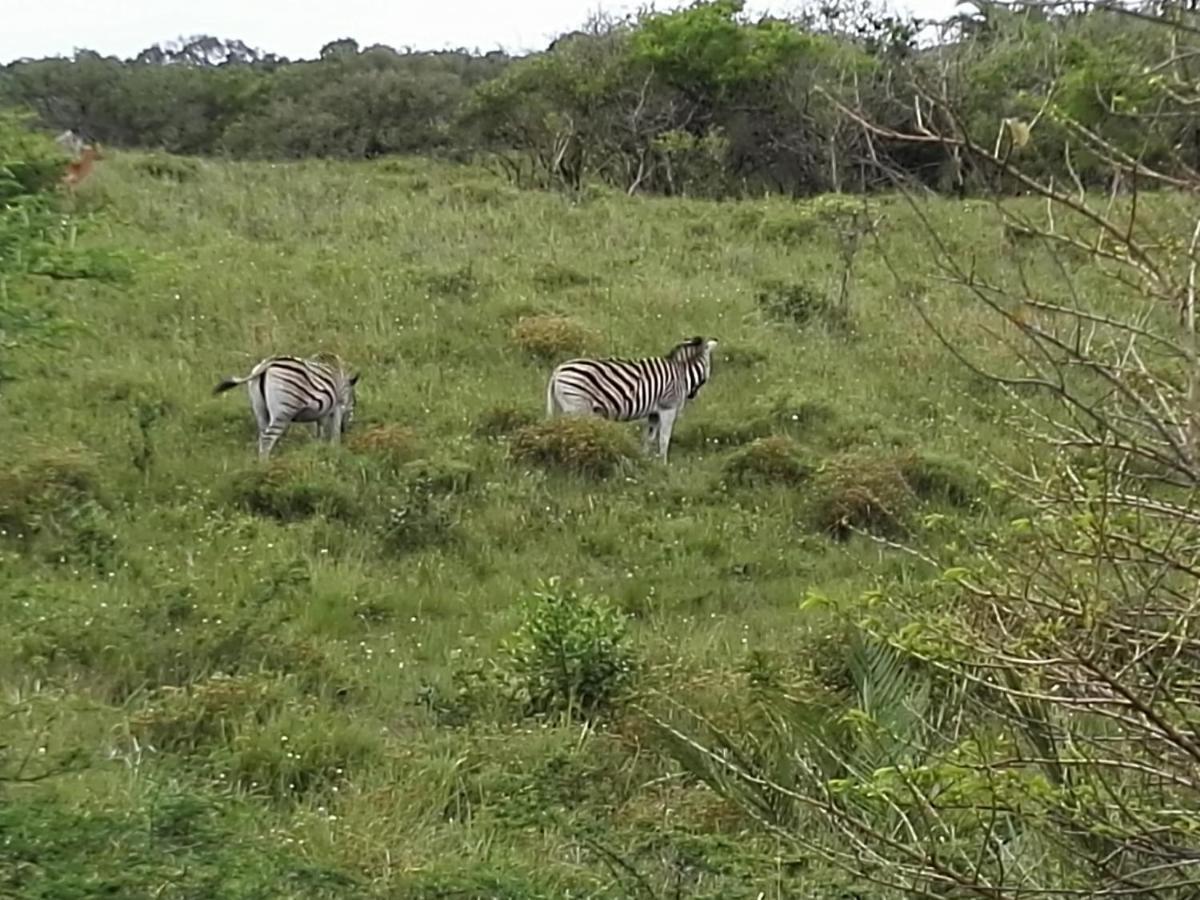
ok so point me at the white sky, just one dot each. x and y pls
(299, 28)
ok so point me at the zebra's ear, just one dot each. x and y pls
(354, 378)
(711, 343)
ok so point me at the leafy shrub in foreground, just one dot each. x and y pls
(571, 654)
(582, 445)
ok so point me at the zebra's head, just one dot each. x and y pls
(695, 356)
(348, 400)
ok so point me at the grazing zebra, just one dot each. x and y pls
(653, 389)
(286, 389)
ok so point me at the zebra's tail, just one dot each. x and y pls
(229, 384)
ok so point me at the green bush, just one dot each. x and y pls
(571, 654)
(770, 460)
(581, 445)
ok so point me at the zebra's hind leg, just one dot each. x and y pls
(268, 437)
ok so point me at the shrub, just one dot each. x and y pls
(861, 490)
(288, 490)
(53, 502)
(800, 304)
(582, 445)
(551, 338)
(38, 494)
(570, 655)
(503, 420)
(392, 445)
(943, 479)
(768, 460)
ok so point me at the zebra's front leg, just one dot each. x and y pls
(666, 421)
(650, 433)
(333, 425)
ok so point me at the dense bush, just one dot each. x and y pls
(703, 100)
(768, 460)
(289, 490)
(862, 490)
(582, 445)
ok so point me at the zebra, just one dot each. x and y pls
(286, 389)
(654, 389)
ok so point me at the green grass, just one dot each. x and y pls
(245, 672)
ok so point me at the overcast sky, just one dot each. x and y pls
(298, 28)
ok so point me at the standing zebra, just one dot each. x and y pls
(286, 389)
(653, 389)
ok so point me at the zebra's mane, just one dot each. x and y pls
(687, 350)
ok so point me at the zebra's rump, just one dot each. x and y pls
(310, 388)
(617, 388)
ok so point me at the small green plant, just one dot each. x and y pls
(581, 445)
(551, 338)
(862, 490)
(571, 655)
(290, 490)
(774, 460)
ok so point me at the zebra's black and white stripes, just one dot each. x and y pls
(654, 389)
(286, 389)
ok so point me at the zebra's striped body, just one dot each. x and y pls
(286, 389)
(654, 389)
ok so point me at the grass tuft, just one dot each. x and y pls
(581, 445)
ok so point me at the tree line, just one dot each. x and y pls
(702, 101)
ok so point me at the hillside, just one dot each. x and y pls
(290, 680)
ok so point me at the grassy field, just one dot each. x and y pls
(292, 680)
